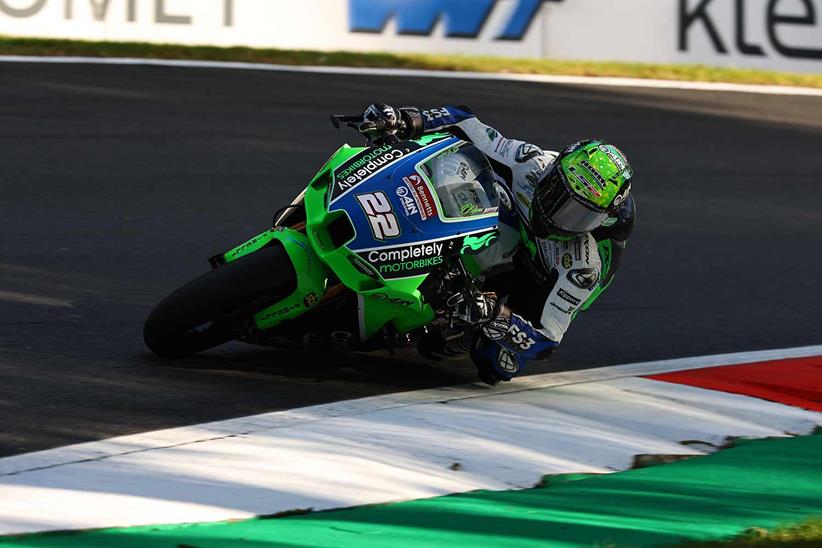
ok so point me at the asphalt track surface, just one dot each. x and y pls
(117, 183)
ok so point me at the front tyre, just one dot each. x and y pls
(203, 313)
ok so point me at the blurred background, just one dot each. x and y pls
(761, 34)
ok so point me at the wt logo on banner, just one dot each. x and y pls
(462, 18)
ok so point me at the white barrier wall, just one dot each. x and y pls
(769, 34)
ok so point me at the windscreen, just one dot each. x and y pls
(463, 180)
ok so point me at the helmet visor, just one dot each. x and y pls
(557, 211)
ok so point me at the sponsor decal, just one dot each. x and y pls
(469, 210)
(496, 329)
(409, 206)
(463, 171)
(580, 178)
(492, 134)
(507, 361)
(526, 152)
(461, 19)
(569, 311)
(503, 147)
(577, 250)
(520, 338)
(405, 253)
(565, 296)
(695, 17)
(393, 300)
(567, 261)
(506, 148)
(310, 300)
(436, 113)
(380, 214)
(472, 245)
(410, 267)
(598, 179)
(616, 156)
(623, 194)
(549, 253)
(363, 166)
(407, 261)
(422, 196)
(240, 250)
(280, 312)
(583, 278)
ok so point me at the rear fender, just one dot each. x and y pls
(312, 275)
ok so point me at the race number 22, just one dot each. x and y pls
(381, 216)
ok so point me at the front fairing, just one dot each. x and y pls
(398, 218)
(360, 226)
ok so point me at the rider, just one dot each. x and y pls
(565, 218)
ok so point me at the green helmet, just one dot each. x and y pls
(588, 182)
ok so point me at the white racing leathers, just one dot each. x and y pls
(550, 280)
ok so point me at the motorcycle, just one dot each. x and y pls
(380, 248)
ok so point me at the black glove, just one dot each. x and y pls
(380, 118)
(478, 308)
(435, 345)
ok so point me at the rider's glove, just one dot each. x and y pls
(478, 308)
(379, 118)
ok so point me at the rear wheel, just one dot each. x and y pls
(203, 313)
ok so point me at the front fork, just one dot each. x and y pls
(312, 274)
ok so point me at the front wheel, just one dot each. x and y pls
(203, 313)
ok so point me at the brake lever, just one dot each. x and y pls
(336, 119)
(375, 129)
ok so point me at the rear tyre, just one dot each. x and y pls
(203, 313)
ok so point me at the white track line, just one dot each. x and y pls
(418, 73)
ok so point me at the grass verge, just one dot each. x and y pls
(802, 535)
(41, 47)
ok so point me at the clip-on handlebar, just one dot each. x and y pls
(373, 130)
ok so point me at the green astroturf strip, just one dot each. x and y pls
(760, 483)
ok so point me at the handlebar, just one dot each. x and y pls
(373, 130)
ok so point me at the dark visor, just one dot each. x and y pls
(556, 211)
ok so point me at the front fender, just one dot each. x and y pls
(312, 274)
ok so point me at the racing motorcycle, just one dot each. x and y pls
(378, 249)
